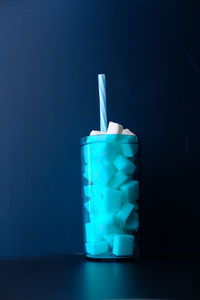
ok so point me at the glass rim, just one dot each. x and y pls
(122, 138)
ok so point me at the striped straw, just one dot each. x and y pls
(102, 102)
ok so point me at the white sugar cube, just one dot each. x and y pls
(95, 132)
(129, 150)
(124, 164)
(92, 233)
(109, 239)
(114, 128)
(117, 180)
(127, 131)
(96, 248)
(106, 224)
(111, 201)
(123, 244)
(102, 173)
(124, 213)
(130, 190)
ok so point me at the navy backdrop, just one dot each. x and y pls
(50, 54)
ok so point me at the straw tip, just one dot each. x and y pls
(99, 75)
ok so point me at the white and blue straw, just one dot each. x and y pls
(102, 102)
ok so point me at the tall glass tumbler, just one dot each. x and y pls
(110, 193)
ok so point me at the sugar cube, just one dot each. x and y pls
(117, 180)
(111, 151)
(124, 213)
(102, 173)
(130, 190)
(106, 224)
(97, 151)
(123, 244)
(129, 150)
(103, 151)
(127, 131)
(96, 248)
(92, 233)
(111, 201)
(114, 128)
(109, 239)
(93, 193)
(90, 207)
(95, 132)
(124, 164)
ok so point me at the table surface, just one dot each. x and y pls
(73, 277)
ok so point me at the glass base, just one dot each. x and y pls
(111, 258)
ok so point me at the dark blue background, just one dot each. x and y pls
(50, 55)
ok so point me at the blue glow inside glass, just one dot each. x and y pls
(110, 192)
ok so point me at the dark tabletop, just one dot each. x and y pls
(73, 277)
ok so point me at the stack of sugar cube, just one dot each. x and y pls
(111, 195)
